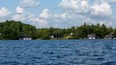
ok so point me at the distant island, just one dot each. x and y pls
(15, 30)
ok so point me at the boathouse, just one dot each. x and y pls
(91, 36)
(109, 36)
(25, 37)
(56, 36)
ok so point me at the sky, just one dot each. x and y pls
(59, 13)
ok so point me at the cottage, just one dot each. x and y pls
(110, 36)
(69, 36)
(25, 37)
(56, 36)
(91, 36)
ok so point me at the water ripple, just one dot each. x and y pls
(58, 52)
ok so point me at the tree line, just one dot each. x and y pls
(11, 30)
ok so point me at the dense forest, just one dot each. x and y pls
(11, 30)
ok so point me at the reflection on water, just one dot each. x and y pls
(58, 52)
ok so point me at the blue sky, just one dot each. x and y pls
(59, 13)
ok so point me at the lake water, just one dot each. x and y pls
(58, 52)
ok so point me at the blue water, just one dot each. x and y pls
(58, 52)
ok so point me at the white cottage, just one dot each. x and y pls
(110, 36)
(25, 37)
(91, 36)
(56, 36)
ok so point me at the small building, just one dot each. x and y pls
(110, 36)
(56, 36)
(91, 36)
(25, 37)
(69, 36)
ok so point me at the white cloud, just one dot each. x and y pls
(19, 10)
(113, 1)
(44, 14)
(28, 3)
(69, 4)
(74, 13)
(85, 5)
(42, 19)
(4, 12)
(79, 6)
(103, 9)
(99, 10)
(19, 17)
(62, 16)
(110, 1)
(41, 22)
(109, 24)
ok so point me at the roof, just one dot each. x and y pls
(58, 34)
(91, 34)
(24, 35)
(107, 36)
(111, 33)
